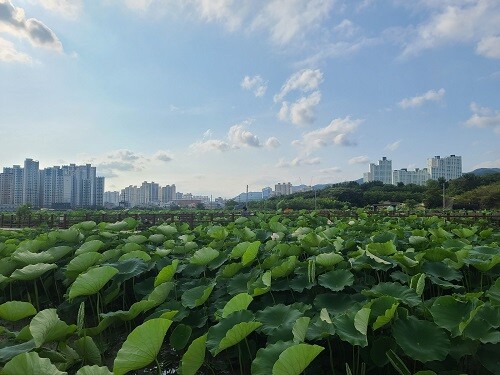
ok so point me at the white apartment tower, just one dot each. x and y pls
(31, 183)
(449, 167)
(381, 172)
(417, 177)
(283, 189)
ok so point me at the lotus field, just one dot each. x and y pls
(266, 294)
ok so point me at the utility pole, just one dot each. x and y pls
(246, 201)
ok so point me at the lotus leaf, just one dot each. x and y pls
(30, 363)
(91, 281)
(194, 356)
(16, 310)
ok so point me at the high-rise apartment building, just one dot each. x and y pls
(381, 172)
(111, 198)
(7, 187)
(283, 188)
(31, 193)
(167, 193)
(130, 196)
(449, 167)
(417, 177)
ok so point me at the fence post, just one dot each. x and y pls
(11, 221)
(1, 221)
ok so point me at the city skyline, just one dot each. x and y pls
(214, 96)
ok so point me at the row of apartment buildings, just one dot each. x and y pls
(67, 186)
(449, 168)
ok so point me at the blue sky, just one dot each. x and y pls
(214, 95)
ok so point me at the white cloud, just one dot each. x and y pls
(483, 117)
(346, 28)
(489, 47)
(417, 101)
(336, 133)
(240, 137)
(256, 84)
(67, 8)
(287, 20)
(208, 134)
(209, 145)
(359, 160)
(13, 21)
(164, 156)
(9, 53)
(297, 162)
(393, 146)
(457, 22)
(302, 111)
(272, 142)
(330, 170)
(305, 80)
(237, 137)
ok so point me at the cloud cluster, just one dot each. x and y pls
(305, 80)
(393, 146)
(297, 162)
(359, 160)
(417, 101)
(9, 53)
(67, 8)
(338, 132)
(483, 117)
(451, 22)
(113, 163)
(238, 136)
(256, 84)
(14, 21)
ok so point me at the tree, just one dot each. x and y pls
(23, 212)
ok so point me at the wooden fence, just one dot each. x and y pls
(52, 220)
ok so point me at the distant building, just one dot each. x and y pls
(167, 193)
(111, 199)
(267, 192)
(417, 177)
(449, 167)
(31, 194)
(381, 172)
(283, 188)
(251, 196)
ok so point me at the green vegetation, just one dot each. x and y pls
(469, 191)
(266, 294)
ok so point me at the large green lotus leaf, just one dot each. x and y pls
(131, 246)
(218, 233)
(30, 363)
(230, 331)
(136, 254)
(276, 226)
(448, 313)
(69, 235)
(46, 327)
(239, 250)
(250, 253)
(278, 318)
(336, 280)
(116, 227)
(418, 241)
(91, 281)
(489, 358)
(438, 254)
(464, 232)
(10, 351)
(167, 273)
(27, 257)
(385, 317)
(361, 320)
(130, 268)
(180, 336)
(59, 252)
(237, 303)
(196, 296)
(89, 246)
(94, 370)
(261, 285)
(157, 238)
(167, 230)
(311, 239)
(16, 310)
(328, 260)
(32, 271)
(295, 359)
(88, 350)
(386, 248)
(137, 238)
(194, 357)
(7, 266)
(204, 256)
(86, 225)
(81, 263)
(400, 292)
(421, 340)
(347, 331)
(379, 348)
(267, 357)
(494, 293)
(299, 329)
(141, 346)
(285, 268)
(441, 270)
